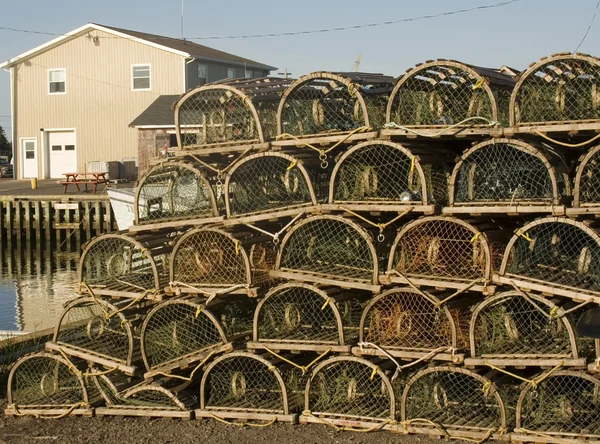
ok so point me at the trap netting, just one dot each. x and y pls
(561, 88)
(444, 251)
(444, 93)
(587, 180)
(324, 102)
(407, 323)
(267, 183)
(231, 111)
(181, 331)
(386, 173)
(119, 265)
(559, 255)
(205, 260)
(331, 247)
(296, 313)
(453, 399)
(508, 171)
(566, 404)
(174, 191)
(243, 382)
(44, 381)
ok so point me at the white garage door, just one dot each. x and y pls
(63, 155)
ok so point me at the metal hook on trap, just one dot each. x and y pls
(323, 159)
(381, 237)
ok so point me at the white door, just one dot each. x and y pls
(63, 156)
(29, 156)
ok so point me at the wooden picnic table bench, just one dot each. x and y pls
(84, 179)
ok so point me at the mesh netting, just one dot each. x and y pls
(404, 319)
(329, 246)
(350, 388)
(441, 248)
(558, 252)
(561, 88)
(507, 171)
(445, 93)
(243, 382)
(44, 380)
(266, 183)
(453, 397)
(113, 262)
(174, 191)
(587, 182)
(566, 403)
(385, 172)
(119, 392)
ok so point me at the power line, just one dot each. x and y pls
(589, 27)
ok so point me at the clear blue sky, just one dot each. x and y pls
(514, 35)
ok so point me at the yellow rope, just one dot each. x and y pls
(326, 303)
(474, 238)
(198, 311)
(543, 435)
(570, 145)
(108, 315)
(242, 424)
(189, 378)
(374, 372)
(349, 429)
(479, 83)
(353, 88)
(394, 125)
(381, 226)
(524, 235)
(322, 152)
(237, 247)
(535, 381)
(78, 372)
(303, 368)
(292, 165)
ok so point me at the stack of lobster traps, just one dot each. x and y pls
(347, 249)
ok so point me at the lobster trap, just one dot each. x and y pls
(120, 265)
(518, 329)
(508, 176)
(587, 185)
(174, 194)
(558, 93)
(454, 402)
(245, 386)
(47, 385)
(412, 324)
(386, 176)
(100, 331)
(443, 252)
(230, 115)
(302, 317)
(267, 186)
(180, 332)
(212, 261)
(351, 392)
(563, 408)
(554, 256)
(329, 250)
(334, 106)
(444, 97)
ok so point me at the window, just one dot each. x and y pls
(202, 74)
(57, 81)
(69, 147)
(231, 73)
(249, 74)
(140, 77)
(56, 147)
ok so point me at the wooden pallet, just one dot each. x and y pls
(358, 424)
(584, 210)
(379, 207)
(91, 356)
(292, 346)
(177, 290)
(322, 140)
(388, 279)
(409, 355)
(511, 210)
(272, 215)
(233, 416)
(149, 412)
(571, 128)
(339, 282)
(454, 432)
(175, 223)
(49, 412)
(533, 361)
(117, 290)
(219, 148)
(547, 288)
(433, 131)
(521, 438)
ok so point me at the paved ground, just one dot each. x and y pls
(46, 187)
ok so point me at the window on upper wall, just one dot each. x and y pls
(249, 74)
(57, 81)
(231, 73)
(140, 77)
(202, 74)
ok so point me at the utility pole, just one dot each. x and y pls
(182, 35)
(285, 73)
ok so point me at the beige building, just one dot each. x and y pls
(73, 98)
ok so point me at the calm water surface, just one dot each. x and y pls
(34, 285)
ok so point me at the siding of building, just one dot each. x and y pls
(99, 101)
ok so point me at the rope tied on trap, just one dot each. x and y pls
(445, 433)
(303, 368)
(275, 236)
(70, 410)
(387, 422)
(534, 381)
(193, 372)
(220, 172)
(110, 315)
(81, 374)
(210, 295)
(488, 123)
(555, 312)
(380, 226)
(242, 424)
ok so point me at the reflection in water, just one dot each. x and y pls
(34, 286)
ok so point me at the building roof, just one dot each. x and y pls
(158, 114)
(182, 47)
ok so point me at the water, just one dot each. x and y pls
(34, 286)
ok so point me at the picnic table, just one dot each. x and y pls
(84, 179)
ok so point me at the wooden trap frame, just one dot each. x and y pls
(448, 98)
(125, 266)
(212, 261)
(587, 185)
(302, 317)
(562, 408)
(508, 176)
(558, 94)
(412, 324)
(229, 115)
(179, 333)
(174, 194)
(554, 256)
(444, 252)
(47, 385)
(517, 329)
(329, 250)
